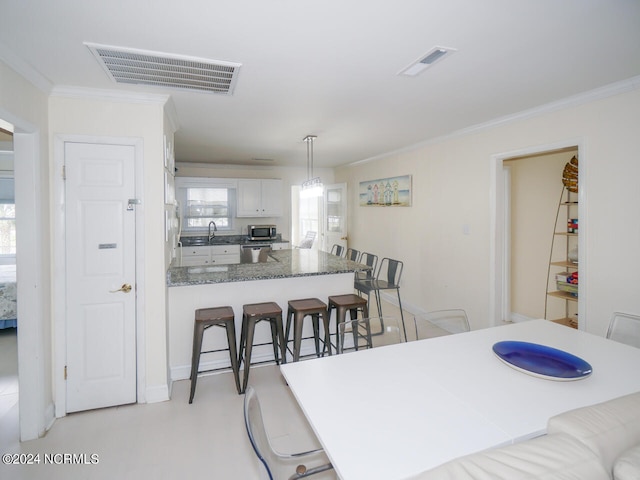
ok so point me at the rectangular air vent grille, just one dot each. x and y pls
(432, 56)
(141, 67)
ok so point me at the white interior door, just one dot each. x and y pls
(100, 266)
(335, 216)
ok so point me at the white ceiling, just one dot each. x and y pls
(330, 68)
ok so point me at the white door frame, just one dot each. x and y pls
(497, 228)
(59, 274)
(35, 407)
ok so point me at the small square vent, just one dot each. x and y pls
(141, 67)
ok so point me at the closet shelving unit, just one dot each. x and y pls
(565, 240)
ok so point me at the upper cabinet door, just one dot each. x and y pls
(272, 198)
(259, 198)
(249, 198)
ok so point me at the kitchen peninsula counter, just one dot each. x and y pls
(288, 275)
(282, 264)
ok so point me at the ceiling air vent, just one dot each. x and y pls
(141, 67)
(434, 55)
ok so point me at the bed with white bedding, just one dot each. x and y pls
(8, 307)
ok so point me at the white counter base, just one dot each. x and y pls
(183, 301)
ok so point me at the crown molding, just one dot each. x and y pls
(606, 91)
(109, 95)
(225, 166)
(25, 70)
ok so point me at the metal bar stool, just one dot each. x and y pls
(386, 278)
(352, 254)
(347, 303)
(213, 317)
(297, 311)
(251, 315)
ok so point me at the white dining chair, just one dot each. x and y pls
(625, 328)
(279, 466)
(441, 322)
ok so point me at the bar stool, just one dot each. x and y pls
(251, 315)
(213, 317)
(347, 303)
(298, 310)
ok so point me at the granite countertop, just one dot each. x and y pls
(286, 264)
(229, 240)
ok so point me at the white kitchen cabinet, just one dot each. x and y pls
(210, 254)
(280, 246)
(225, 254)
(259, 198)
(195, 256)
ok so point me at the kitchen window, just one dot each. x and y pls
(205, 200)
(7, 220)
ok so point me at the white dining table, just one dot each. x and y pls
(392, 412)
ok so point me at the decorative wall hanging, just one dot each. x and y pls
(386, 192)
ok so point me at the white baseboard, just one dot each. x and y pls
(518, 317)
(49, 416)
(406, 306)
(157, 393)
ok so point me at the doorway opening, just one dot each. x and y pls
(326, 215)
(9, 385)
(34, 378)
(519, 278)
(532, 195)
(306, 218)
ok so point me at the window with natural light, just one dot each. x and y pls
(7, 218)
(203, 203)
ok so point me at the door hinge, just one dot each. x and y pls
(65, 372)
(64, 172)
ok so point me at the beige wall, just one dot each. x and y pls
(536, 186)
(452, 178)
(104, 117)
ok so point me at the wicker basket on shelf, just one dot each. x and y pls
(570, 175)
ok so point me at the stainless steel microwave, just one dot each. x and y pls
(262, 232)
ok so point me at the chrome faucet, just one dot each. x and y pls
(215, 229)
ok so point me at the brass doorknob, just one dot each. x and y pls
(126, 288)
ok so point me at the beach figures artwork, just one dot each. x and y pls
(386, 192)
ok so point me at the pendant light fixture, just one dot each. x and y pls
(312, 187)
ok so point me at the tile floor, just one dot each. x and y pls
(168, 440)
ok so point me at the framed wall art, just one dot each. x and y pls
(386, 192)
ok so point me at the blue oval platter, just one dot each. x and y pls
(542, 361)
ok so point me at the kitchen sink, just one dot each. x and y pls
(202, 241)
(194, 241)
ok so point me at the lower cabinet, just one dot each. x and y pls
(225, 254)
(195, 256)
(213, 254)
